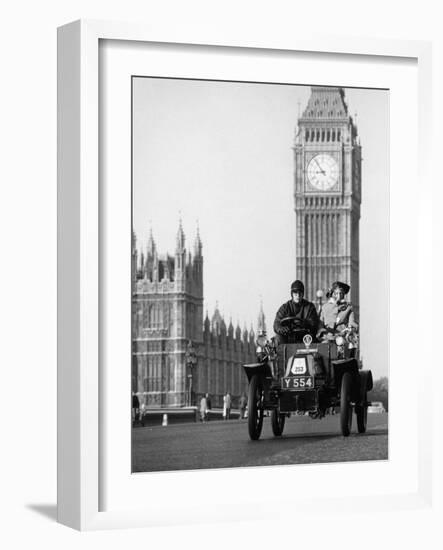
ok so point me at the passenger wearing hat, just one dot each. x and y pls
(337, 314)
(304, 312)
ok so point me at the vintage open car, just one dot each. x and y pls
(307, 375)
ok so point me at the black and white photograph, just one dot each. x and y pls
(260, 274)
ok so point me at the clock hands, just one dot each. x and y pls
(321, 170)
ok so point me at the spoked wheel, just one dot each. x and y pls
(277, 421)
(256, 411)
(345, 404)
(361, 411)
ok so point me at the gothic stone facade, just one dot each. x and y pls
(327, 193)
(167, 317)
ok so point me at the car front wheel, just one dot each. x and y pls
(361, 412)
(277, 422)
(345, 404)
(255, 407)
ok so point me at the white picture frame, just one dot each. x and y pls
(80, 436)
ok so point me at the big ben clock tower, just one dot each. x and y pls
(327, 194)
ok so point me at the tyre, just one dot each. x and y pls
(277, 422)
(345, 404)
(255, 407)
(361, 412)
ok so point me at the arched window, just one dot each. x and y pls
(328, 135)
(323, 135)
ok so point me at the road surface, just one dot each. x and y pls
(226, 444)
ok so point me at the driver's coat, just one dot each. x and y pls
(305, 311)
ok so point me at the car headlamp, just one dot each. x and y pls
(340, 341)
(261, 341)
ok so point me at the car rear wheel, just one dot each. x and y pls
(361, 411)
(255, 411)
(345, 404)
(278, 422)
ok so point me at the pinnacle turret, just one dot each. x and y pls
(180, 238)
(151, 248)
(207, 323)
(261, 324)
(216, 320)
(230, 328)
(142, 263)
(197, 244)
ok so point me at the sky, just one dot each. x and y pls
(219, 155)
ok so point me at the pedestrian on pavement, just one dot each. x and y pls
(136, 411)
(224, 407)
(203, 409)
(208, 405)
(242, 405)
(228, 406)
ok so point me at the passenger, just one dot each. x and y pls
(304, 312)
(337, 314)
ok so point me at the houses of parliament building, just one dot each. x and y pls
(168, 324)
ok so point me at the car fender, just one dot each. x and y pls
(366, 383)
(262, 369)
(339, 367)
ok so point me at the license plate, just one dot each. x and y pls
(297, 382)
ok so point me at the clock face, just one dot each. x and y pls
(323, 172)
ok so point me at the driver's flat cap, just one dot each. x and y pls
(298, 286)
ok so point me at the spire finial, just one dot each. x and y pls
(180, 236)
(198, 242)
(151, 248)
(261, 325)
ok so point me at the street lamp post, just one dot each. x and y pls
(319, 295)
(191, 361)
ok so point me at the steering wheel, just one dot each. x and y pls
(292, 322)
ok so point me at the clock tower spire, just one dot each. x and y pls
(327, 193)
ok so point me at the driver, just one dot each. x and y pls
(304, 312)
(337, 314)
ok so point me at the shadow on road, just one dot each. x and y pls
(318, 437)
